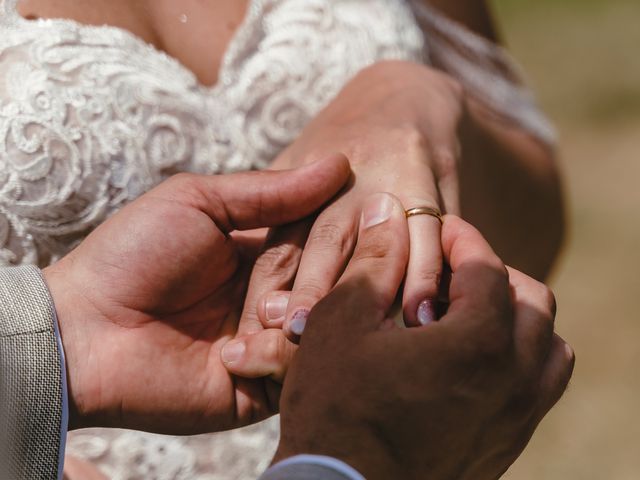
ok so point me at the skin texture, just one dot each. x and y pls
(411, 131)
(147, 301)
(159, 23)
(468, 391)
(461, 158)
(490, 180)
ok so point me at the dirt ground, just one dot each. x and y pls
(583, 59)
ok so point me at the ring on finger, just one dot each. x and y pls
(433, 212)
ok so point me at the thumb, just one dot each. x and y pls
(267, 353)
(249, 200)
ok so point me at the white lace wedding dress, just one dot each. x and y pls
(92, 117)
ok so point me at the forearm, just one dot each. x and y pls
(510, 188)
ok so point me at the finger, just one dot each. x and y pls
(556, 375)
(273, 270)
(425, 264)
(260, 199)
(367, 289)
(479, 290)
(272, 308)
(264, 354)
(535, 309)
(77, 469)
(325, 255)
(250, 243)
(446, 165)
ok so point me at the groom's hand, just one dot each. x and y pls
(459, 398)
(146, 302)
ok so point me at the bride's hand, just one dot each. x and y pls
(398, 124)
(146, 303)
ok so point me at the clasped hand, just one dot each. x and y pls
(147, 301)
(148, 304)
(399, 125)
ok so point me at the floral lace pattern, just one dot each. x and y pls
(92, 117)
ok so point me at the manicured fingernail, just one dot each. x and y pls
(299, 321)
(377, 210)
(233, 351)
(276, 307)
(426, 312)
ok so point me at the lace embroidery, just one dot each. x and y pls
(92, 117)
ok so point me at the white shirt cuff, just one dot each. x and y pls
(64, 425)
(323, 461)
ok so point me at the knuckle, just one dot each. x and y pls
(570, 363)
(446, 161)
(311, 290)
(185, 183)
(278, 260)
(546, 312)
(329, 236)
(550, 301)
(373, 251)
(182, 178)
(411, 141)
(430, 278)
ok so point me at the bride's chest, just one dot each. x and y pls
(114, 98)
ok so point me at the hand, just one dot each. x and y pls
(147, 301)
(459, 398)
(398, 124)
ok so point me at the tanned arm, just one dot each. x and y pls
(510, 184)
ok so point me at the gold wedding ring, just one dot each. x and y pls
(433, 212)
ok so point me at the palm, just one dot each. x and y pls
(147, 301)
(179, 324)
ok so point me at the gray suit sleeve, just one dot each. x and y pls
(301, 471)
(31, 395)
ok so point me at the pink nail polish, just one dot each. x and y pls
(299, 321)
(426, 312)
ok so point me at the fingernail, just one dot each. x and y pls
(426, 312)
(233, 351)
(276, 307)
(299, 321)
(377, 210)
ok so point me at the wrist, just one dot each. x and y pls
(68, 311)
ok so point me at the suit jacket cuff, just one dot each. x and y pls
(32, 378)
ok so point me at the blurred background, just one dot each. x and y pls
(583, 59)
